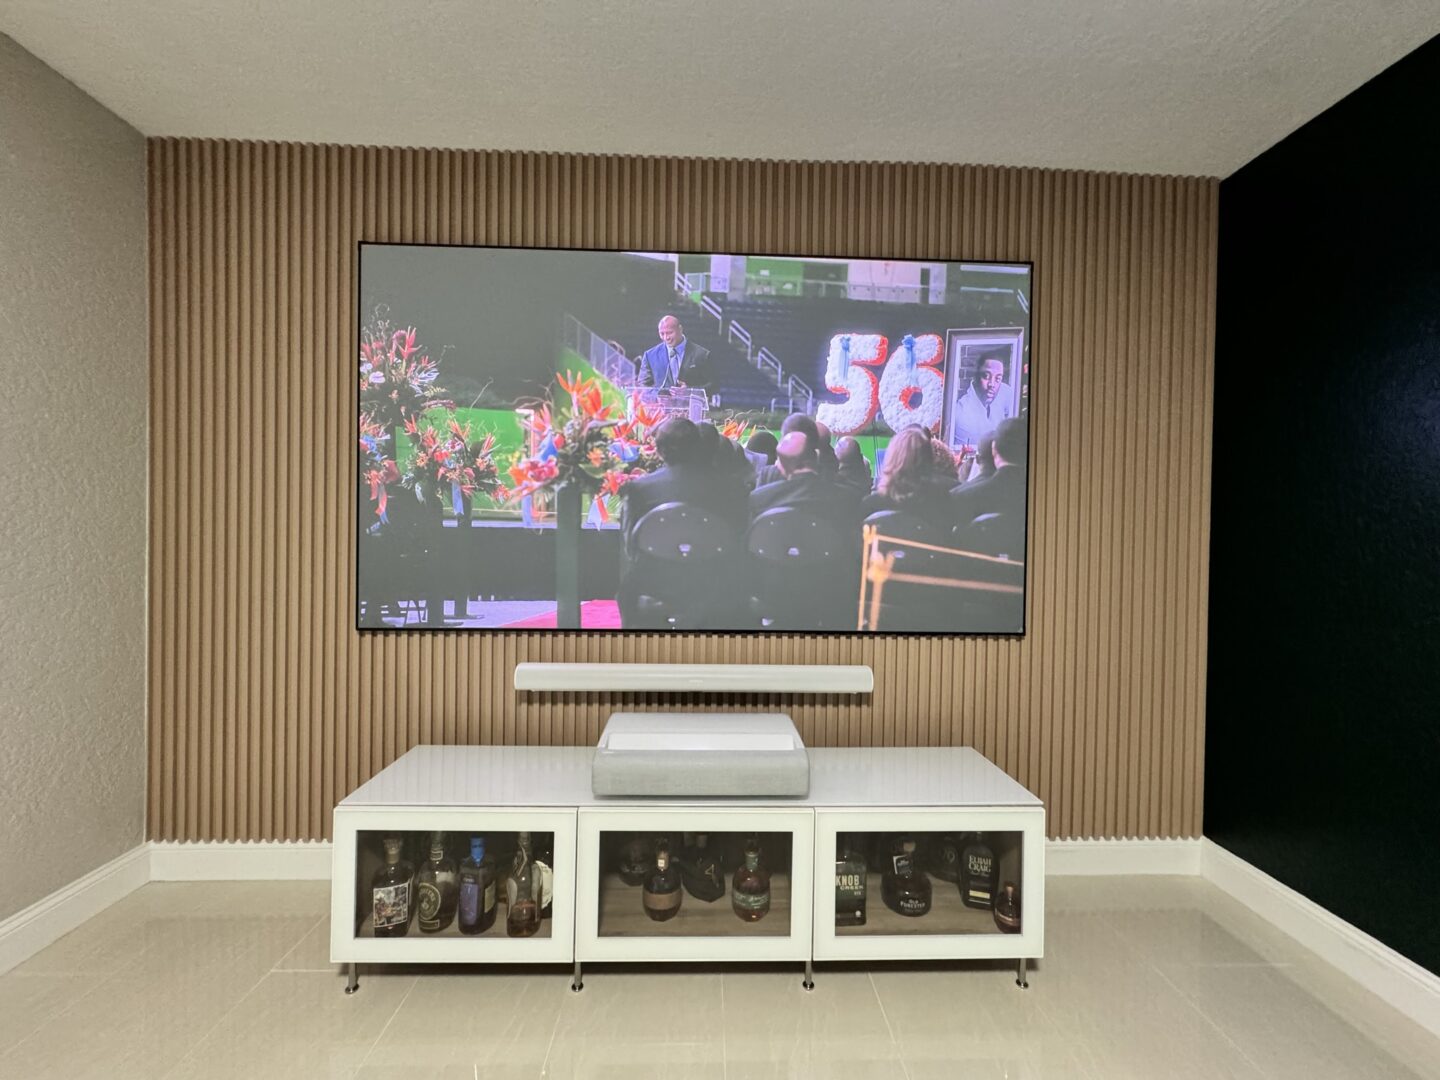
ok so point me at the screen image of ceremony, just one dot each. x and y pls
(647, 441)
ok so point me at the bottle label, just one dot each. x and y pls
(391, 905)
(904, 863)
(490, 897)
(751, 901)
(429, 902)
(469, 902)
(663, 901)
(849, 887)
(913, 905)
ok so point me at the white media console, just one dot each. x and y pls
(861, 794)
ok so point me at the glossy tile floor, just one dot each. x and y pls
(1145, 977)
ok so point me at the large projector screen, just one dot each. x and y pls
(651, 441)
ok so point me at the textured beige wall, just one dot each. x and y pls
(73, 454)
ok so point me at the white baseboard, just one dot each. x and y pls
(1072, 857)
(26, 932)
(304, 860)
(1396, 979)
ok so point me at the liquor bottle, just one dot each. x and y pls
(1007, 909)
(945, 855)
(545, 870)
(750, 891)
(523, 919)
(850, 870)
(390, 894)
(437, 889)
(637, 855)
(662, 893)
(904, 886)
(477, 889)
(700, 871)
(977, 874)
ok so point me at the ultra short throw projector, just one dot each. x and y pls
(700, 754)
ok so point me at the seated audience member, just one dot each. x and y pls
(851, 466)
(804, 487)
(983, 466)
(911, 479)
(1002, 492)
(805, 425)
(825, 448)
(710, 441)
(763, 444)
(686, 476)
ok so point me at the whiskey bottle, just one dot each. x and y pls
(477, 890)
(662, 892)
(545, 870)
(904, 886)
(850, 870)
(946, 852)
(523, 919)
(750, 891)
(390, 895)
(1007, 909)
(437, 889)
(700, 871)
(977, 874)
(637, 855)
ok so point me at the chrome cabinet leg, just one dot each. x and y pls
(354, 983)
(1020, 980)
(809, 983)
(576, 982)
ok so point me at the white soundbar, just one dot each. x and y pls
(679, 678)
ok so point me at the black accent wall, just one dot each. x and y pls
(1323, 715)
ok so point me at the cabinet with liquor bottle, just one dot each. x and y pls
(454, 886)
(694, 884)
(928, 883)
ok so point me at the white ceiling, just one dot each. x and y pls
(1167, 86)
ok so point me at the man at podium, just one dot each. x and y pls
(676, 361)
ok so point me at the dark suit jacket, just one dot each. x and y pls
(695, 367)
(810, 491)
(856, 475)
(718, 490)
(1001, 493)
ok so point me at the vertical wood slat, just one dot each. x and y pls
(266, 705)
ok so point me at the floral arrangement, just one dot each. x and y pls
(574, 442)
(398, 387)
(450, 468)
(912, 389)
(847, 372)
(397, 378)
(582, 443)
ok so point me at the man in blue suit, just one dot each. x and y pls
(676, 361)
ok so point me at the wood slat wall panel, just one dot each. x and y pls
(266, 706)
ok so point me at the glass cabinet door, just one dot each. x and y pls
(932, 884)
(454, 886)
(691, 884)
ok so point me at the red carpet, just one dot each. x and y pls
(594, 615)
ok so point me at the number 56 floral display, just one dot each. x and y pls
(911, 389)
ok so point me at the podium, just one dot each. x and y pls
(686, 401)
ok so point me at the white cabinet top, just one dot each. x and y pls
(501, 776)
